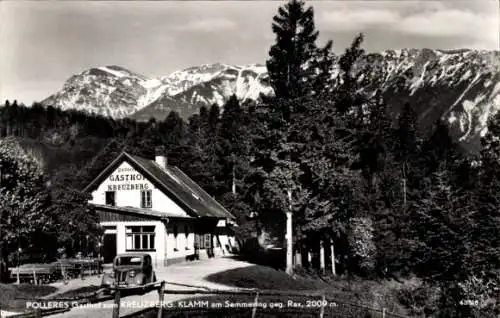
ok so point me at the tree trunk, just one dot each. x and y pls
(289, 237)
(298, 256)
(233, 186)
(332, 256)
(322, 256)
(289, 243)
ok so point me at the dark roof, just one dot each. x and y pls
(171, 181)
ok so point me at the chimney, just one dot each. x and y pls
(161, 157)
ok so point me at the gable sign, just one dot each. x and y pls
(126, 179)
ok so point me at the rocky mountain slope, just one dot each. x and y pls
(110, 91)
(117, 92)
(461, 85)
(185, 91)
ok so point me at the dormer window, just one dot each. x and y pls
(146, 200)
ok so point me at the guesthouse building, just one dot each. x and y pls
(148, 206)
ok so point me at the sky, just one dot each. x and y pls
(43, 43)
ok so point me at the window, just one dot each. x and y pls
(146, 199)
(128, 260)
(140, 238)
(110, 198)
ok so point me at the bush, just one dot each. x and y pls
(473, 297)
(13, 297)
(420, 300)
(361, 245)
(450, 299)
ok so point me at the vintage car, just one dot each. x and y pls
(130, 271)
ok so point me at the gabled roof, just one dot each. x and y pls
(172, 182)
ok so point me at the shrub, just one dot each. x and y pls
(361, 245)
(420, 300)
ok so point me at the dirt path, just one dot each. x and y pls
(192, 273)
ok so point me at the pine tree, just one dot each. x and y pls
(323, 63)
(173, 134)
(442, 221)
(234, 144)
(347, 94)
(407, 146)
(438, 147)
(374, 140)
(487, 220)
(290, 58)
(203, 166)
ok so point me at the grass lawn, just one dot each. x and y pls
(79, 292)
(376, 294)
(10, 292)
(263, 277)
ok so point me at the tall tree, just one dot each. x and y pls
(24, 199)
(290, 58)
(347, 94)
(203, 164)
(173, 134)
(487, 221)
(407, 146)
(323, 63)
(234, 144)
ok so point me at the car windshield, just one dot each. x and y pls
(128, 260)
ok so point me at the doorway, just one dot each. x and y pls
(109, 247)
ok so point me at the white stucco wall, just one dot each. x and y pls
(158, 255)
(125, 197)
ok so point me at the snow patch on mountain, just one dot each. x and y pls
(113, 72)
(476, 78)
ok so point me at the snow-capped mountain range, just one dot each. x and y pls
(117, 92)
(461, 85)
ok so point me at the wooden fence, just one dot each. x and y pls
(321, 310)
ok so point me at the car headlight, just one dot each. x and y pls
(131, 273)
(112, 274)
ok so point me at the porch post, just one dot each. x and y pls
(164, 221)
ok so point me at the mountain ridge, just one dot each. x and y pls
(461, 84)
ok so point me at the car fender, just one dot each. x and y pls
(107, 279)
(139, 278)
